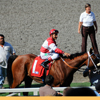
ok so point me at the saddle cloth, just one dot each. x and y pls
(37, 70)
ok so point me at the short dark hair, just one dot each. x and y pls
(49, 79)
(66, 90)
(2, 35)
(87, 5)
(83, 91)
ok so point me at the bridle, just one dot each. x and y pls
(89, 58)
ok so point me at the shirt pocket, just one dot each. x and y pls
(7, 49)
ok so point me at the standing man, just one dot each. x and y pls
(5, 50)
(88, 26)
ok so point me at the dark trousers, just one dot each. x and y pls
(91, 32)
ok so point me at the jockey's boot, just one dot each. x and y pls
(44, 64)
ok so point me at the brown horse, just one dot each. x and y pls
(19, 69)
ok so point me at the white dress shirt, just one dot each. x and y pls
(87, 19)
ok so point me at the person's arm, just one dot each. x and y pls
(79, 27)
(59, 94)
(12, 50)
(80, 23)
(96, 27)
(54, 48)
(57, 50)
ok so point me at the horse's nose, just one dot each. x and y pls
(98, 64)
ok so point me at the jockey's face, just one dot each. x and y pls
(1, 40)
(54, 36)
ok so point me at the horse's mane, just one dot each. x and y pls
(72, 56)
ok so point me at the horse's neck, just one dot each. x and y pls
(85, 58)
(78, 61)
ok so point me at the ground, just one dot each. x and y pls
(26, 24)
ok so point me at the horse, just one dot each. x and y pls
(19, 69)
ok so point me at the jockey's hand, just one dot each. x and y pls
(67, 54)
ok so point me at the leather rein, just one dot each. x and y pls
(89, 58)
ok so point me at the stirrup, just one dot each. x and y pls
(46, 67)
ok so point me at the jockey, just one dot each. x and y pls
(49, 50)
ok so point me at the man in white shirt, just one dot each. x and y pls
(6, 50)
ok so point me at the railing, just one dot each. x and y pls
(34, 90)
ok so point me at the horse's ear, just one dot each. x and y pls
(91, 49)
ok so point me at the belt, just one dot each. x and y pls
(88, 26)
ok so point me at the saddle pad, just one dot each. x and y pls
(37, 70)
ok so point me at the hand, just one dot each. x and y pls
(79, 32)
(67, 54)
(95, 30)
(59, 94)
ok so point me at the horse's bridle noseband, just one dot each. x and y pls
(89, 58)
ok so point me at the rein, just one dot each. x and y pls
(89, 58)
(68, 64)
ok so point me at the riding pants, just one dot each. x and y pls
(49, 56)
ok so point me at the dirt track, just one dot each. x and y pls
(26, 24)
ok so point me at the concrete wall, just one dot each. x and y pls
(26, 23)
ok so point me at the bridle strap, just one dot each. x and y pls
(68, 64)
(89, 58)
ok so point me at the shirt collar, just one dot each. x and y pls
(48, 86)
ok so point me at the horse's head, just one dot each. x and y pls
(92, 61)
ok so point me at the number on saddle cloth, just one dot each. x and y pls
(37, 70)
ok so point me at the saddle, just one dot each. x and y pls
(37, 70)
